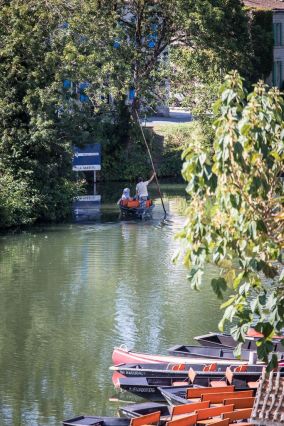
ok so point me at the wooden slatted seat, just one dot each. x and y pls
(180, 410)
(218, 383)
(185, 383)
(216, 421)
(184, 421)
(197, 392)
(224, 422)
(206, 415)
(240, 403)
(238, 414)
(219, 397)
(234, 416)
(147, 419)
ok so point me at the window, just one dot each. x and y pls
(277, 74)
(277, 34)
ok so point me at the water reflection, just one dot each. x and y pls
(68, 294)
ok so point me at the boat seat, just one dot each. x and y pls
(180, 383)
(242, 424)
(237, 415)
(189, 420)
(210, 421)
(185, 409)
(216, 421)
(147, 419)
(224, 422)
(180, 416)
(240, 403)
(219, 397)
(218, 383)
(193, 400)
(253, 385)
(192, 393)
(207, 413)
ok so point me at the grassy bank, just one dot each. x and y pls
(166, 143)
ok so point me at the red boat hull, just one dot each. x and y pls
(123, 356)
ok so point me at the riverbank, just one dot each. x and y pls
(23, 202)
(130, 160)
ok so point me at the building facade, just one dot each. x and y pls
(276, 77)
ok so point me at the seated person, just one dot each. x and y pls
(125, 196)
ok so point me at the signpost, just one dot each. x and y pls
(87, 158)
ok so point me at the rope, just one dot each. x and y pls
(151, 159)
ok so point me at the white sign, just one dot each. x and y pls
(87, 154)
(89, 198)
(86, 167)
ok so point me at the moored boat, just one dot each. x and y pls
(222, 340)
(149, 387)
(144, 387)
(172, 371)
(124, 356)
(96, 421)
(178, 395)
(193, 351)
(137, 410)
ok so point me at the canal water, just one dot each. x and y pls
(70, 293)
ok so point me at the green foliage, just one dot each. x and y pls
(243, 232)
(127, 158)
(261, 31)
(112, 46)
(38, 122)
(16, 202)
(174, 139)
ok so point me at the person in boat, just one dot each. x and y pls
(142, 190)
(125, 196)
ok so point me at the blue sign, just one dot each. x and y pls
(87, 158)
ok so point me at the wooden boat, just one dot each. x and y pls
(174, 395)
(226, 340)
(177, 395)
(192, 351)
(136, 410)
(172, 371)
(149, 387)
(151, 418)
(144, 387)
(96, 421)
(124, 356)
(134, 209)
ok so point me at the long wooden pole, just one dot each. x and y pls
(151, 159)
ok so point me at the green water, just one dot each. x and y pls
(70, 293)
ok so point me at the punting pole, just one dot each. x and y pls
(153, 167)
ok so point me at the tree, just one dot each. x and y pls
(38, 121)
(235, 217)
